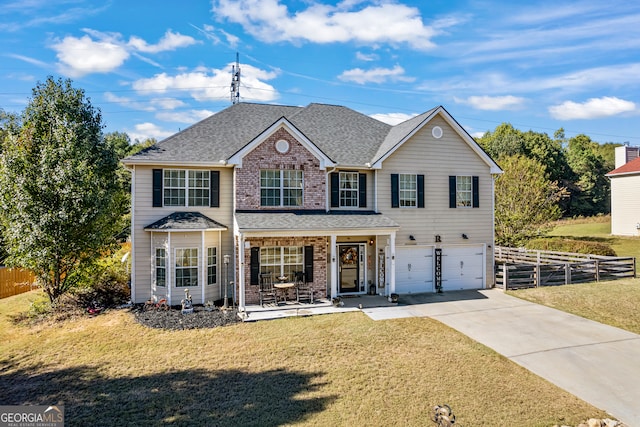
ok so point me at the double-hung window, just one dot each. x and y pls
(161, 267)
(186, 187)
(349, 189)
(212, 266)
(281, 187)
(463, 191)
(186, 267)
(408, 190)
(282, 261)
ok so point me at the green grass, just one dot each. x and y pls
(597, 229)
(337, 370)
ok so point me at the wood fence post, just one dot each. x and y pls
(597, 270)
(505, 276)
(538, 273)
(567, 274)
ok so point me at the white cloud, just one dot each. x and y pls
(206, 85)
(170, 41)
(100, 52)
(593, 108)
(366, 57)
(381, 22)
(375, 75)
(167, 103)
(393, 118)
(143, 131)
(493, 103)
(80, 56)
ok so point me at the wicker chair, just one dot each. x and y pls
(304, 290)
(267, 292)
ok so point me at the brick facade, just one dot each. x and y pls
(265, 156)
(319, 263)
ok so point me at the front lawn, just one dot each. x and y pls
(337, 370)
(614, 303)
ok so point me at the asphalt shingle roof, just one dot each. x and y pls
(185, 221)
(303, 221)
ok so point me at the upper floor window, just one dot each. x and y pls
(281, 187)
(349, 189)
(408, 189)
(464, 192)
(186, 187)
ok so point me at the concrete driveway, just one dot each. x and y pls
(597, 363)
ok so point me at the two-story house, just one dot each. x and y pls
(358, 205)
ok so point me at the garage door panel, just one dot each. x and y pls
(462, 267)
(414, 269)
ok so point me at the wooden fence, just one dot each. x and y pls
(14, 281)
(522, 268)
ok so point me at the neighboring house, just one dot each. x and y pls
(625, 188)
(358, 205)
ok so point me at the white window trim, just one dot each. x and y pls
(355, 189)
(186, 187)
(176, 268)
(215, 264)
(156, 267)
(470, 192)
(414, 191)
(282, 188)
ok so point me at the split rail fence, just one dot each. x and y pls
(14, 281)
(518, 268)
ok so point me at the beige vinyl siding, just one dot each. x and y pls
(625, 205)
(437, 159)
(144, 214)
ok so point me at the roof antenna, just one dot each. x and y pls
(235, 81)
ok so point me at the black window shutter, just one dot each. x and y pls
(254, 266)
(308, 264)
(420, 183)
(362, 190)
(157, 188)
(214, 194)
(335, 190)
(475, 191)
(452, 191)
(395, 190)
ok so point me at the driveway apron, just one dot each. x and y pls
(597, 363)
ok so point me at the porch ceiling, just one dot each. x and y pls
(314, 224)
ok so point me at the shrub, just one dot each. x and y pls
(559, 244)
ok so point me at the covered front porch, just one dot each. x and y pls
(339, 254)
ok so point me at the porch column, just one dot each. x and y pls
(169, 268)
(241, 284)
(334, 266)
(203, 270)
(392, 247)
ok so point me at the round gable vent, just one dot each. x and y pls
(282, 146)
(436, 132)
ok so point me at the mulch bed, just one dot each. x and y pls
(173, 318)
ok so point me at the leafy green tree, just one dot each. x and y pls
(590, 192)
(526, 201)
(61, 204)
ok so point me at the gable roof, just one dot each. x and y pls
(630, 168)
(339, 135)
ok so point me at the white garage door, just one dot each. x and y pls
(414, 269)
(462, 267)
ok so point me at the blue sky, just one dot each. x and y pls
(154, 67)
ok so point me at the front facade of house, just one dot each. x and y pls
(625, 185)
(356, 205)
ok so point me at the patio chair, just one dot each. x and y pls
(267, 292)
(304, 290)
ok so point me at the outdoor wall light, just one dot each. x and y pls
(464, 236)
(370, 242)
(411, 237)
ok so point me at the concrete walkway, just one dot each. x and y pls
(597, 363)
